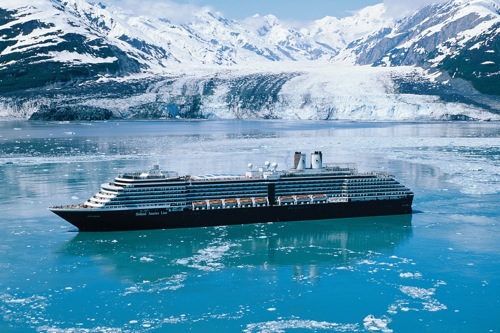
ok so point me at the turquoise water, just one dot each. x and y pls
(434, 271)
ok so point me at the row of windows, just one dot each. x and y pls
(358, 180)
(150, 198)
(336, 188)
(140, 205)
(138, 197)
(135, 202)
(152, 189)
(350, 195)
(226, 195)
(311, 191)
(374, 188)
(335, 184)
(201, 196)
(226, 188)
(163, 193)
(158, 202)
(245, 185)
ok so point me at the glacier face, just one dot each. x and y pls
(293, 90)
(72, 59)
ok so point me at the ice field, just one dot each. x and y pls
(433, 271)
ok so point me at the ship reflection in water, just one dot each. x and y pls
(305, 245)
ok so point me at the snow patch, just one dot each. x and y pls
(73, 57)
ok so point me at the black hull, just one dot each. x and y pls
(121, 220)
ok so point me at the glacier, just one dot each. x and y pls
(294, 90)
(77, 60)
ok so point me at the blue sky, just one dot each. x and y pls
(298, 11)
(285, 9)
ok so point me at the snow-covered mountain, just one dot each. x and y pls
(338, 33)
(82, 32)
(432, 33)
(76, 59)
(459, 37)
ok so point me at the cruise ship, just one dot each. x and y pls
(162, 199)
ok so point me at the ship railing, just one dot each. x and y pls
(338, 199)
(229, 203)
(379, 197)
(147, 175)
(120, 204)
(341, 167)
(374, 193)
(77, 206)
(313, 172)
(215, 177)
(302, 199)
(372, 188)
(377, 175)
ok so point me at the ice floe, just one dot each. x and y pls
(376, 324)
(281, 326)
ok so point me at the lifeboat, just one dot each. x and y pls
(260, 201)
(215, 204)
(303, 199)
(245, 202)
(286, 200)
(319, 198)
(197, 205)
(230, 203)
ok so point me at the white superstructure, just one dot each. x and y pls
(258, 187)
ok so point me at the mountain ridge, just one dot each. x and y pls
(50, 48)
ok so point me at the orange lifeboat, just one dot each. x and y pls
(215, 204)
(303, 199)
(319, 198)
(260, 201)
(197, 205)
(246, 202)
(286, 200)
(230, 203)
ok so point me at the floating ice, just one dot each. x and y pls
(416, 292)
(146, 259)
(282, 326)
(434, 306)
(174, 282)
(376, 324)
(409, 275)
(209, 259)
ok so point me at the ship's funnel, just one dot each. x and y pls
(317, 160)
(299, 161)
